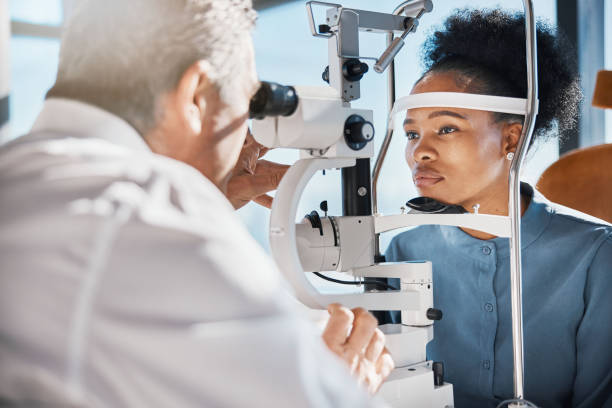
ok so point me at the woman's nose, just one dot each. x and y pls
(422, 150)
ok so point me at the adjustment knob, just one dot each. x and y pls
(358, 132)
(353, 69)
(315, 221)
(438, 371)
(325, 74)
(323, 206)
(361, 132)
(324, 29)
(434, 314)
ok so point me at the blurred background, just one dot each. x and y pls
(287, 53)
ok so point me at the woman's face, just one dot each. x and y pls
(457, 156)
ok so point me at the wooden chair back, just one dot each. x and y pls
(582, 180)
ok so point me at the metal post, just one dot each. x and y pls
(514, 202)
(385, 144)
(380, 159)
(387, 141)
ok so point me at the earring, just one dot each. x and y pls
(510, 156)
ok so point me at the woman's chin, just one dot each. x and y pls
(437, 194)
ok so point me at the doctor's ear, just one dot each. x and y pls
(196, 95)
(511, 134)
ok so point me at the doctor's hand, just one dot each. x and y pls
(353, 336)
(252, 177)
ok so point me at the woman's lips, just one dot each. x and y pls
(426, 179)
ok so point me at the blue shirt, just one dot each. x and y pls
(567, 307)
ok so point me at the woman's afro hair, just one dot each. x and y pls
(487, 49)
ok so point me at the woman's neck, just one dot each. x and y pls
(493, 205)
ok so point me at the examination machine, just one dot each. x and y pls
(331, 134)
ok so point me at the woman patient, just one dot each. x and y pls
(461, 156)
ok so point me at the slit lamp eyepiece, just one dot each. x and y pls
(273, 99)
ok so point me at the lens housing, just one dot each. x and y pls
(273, 99)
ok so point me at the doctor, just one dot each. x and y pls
(126, 277)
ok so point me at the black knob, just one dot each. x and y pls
(358, 132)
(325, 74)
(353, 69)
(434, 314)
(324, 28)
(323, 206)
(438, 372)
(315, 221)
(362, 132)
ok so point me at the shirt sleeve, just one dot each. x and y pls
(593, 384)
(190, 321)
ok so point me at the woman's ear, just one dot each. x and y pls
(192, 94)
(511, 134)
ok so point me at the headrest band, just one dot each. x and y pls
(503, 104)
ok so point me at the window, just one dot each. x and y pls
(37, 11)
(33, 61)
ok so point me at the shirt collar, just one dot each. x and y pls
(533, 223)
(77, 119)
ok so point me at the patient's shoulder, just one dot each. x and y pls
(420, 231)
(411, 237)
(567, 225)
(569, 216)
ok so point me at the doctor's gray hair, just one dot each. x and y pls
(123, 55)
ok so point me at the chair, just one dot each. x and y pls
(582, 180)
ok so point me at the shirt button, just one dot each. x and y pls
(486, 250)
(488, 307)
(486, 364)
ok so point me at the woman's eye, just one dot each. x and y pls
(411, 135)
(447, 129)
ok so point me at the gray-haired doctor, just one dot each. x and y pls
(126, 277)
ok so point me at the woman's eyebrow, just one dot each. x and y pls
(435, 114)
(446, 113)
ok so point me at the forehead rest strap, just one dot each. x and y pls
(503, 104)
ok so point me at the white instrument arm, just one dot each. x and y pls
(283, 245)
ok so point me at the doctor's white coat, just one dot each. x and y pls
(126, 280)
